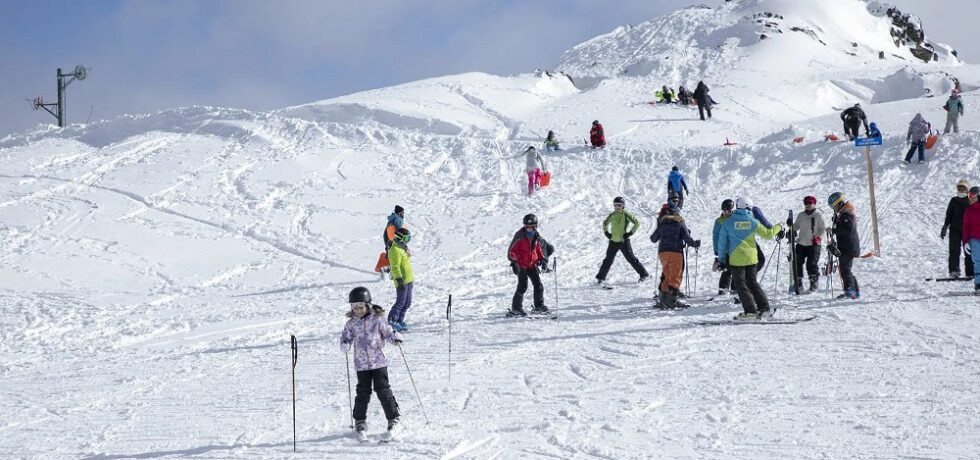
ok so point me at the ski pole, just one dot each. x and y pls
(449, 317)
(687, 279)
(779, 255)
(413, 382)
(696, 253)
(295, 349)
(766, 267)
(554, 268)
(350, 398)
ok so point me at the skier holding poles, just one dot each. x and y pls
(365, 332)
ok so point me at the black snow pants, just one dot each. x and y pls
(809, 255)
(848, 281)
(523, 275)
(749, 291)
(704, 108)
(627, 249)
(851, 128)
(379, 378)
(955, 241)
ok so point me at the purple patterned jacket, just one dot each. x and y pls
(368, 335)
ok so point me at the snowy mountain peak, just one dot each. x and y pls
(703, 41)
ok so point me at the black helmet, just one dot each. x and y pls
(359, 294)
(727, 205)
(595, 122)
(530, 219)
(619, 200)
(674, 168)
(403, 235)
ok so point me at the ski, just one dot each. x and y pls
(962, 278)
(962, 294)
(530, 315)
(709, 322)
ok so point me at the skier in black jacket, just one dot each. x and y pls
(702, 99)
(852, 118)
(847, 244)
(954, 225)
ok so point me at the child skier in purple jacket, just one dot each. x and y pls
(366, 332)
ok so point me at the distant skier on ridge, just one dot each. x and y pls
(852, 118)
(597, 135)
(954, 110)
(703, 99)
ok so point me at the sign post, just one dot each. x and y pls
(867, 142)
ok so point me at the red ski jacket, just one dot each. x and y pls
(971, 223)
(526, 252)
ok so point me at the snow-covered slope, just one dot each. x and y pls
(154, 266)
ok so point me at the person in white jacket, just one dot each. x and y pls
(535, 165)
(809, 229)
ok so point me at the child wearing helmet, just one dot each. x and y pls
(401, 275)
(846, 245)
(725, 281)
(365, 333)
(525, 251)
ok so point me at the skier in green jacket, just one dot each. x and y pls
(617, 228)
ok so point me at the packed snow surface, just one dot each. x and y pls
(154, 266)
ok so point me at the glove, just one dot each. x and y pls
(627, 234)
(514, 267)
(722, 266)
(344, 347)
(608, 235)
(781, 234)
(400, 282)
(543, 264)
(832, 248)
(867, 133)
(398, 338)
(817, 240)
(697, 244)
(942, 234)
(967, 250)
(789, 222)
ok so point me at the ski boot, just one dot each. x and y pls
(644, 279)
(747, 316)
(394, 429)
(360, 430)
(813, 285)
(765, 313)
(402, 327)
(954, 274)
(540, 310)
(976, 289)
(516, 312)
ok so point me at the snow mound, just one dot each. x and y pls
(704, 42)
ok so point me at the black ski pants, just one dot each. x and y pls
(851, 128)
(846, 267)
(523, 275)
(749, 291)
(809, 255)
(627, 249)
(704, 108)
(379, 378)
(725, 282)
(955, 247)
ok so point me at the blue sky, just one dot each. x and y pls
(148, 55)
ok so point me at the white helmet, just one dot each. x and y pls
(743, 203)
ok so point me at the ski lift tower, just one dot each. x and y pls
(79, 74)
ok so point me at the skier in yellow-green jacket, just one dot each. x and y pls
(737, 252)
(618, 228)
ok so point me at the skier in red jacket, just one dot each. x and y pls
(524, 254)
(597, 135)
(971, 234)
